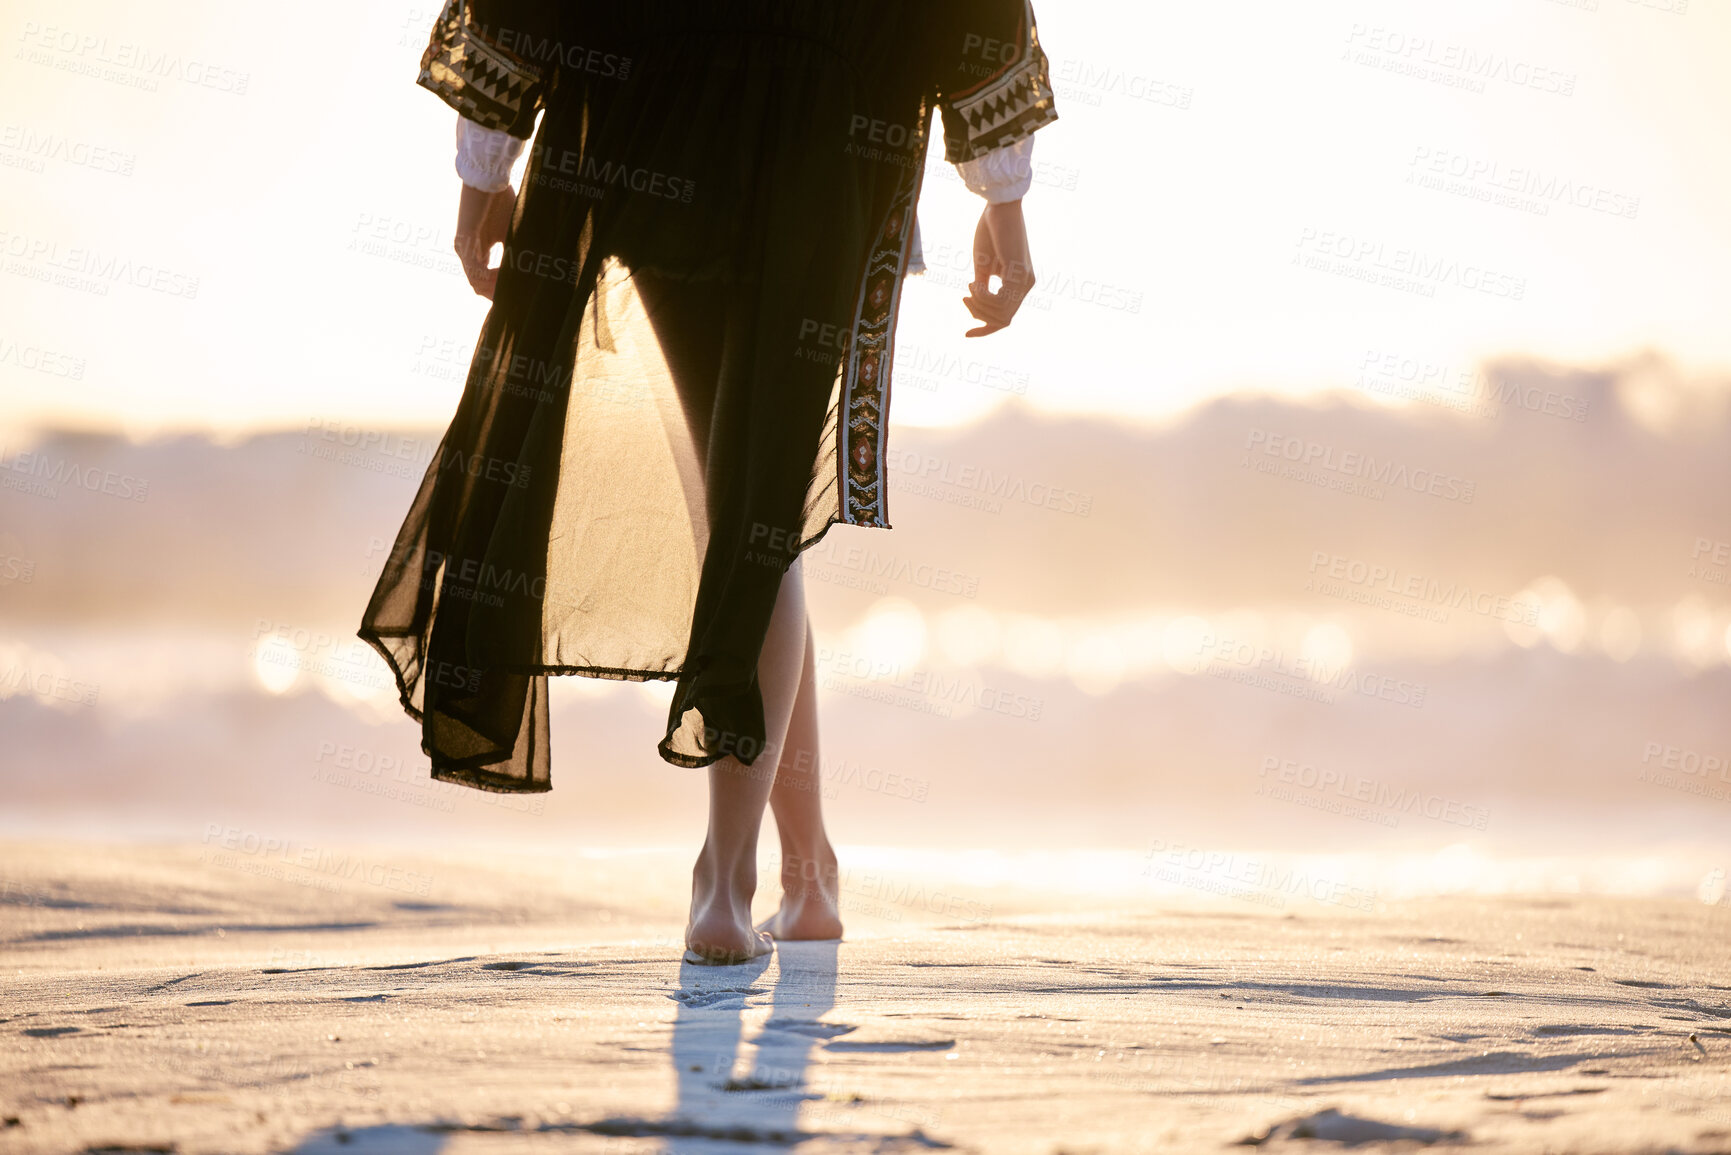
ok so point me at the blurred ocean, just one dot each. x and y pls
(1440, 649)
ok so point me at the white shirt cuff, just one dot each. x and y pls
(1002, 175)
(485, 155)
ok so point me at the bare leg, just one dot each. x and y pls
(810, 879)
(725, 877)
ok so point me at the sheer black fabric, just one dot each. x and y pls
(684, 377)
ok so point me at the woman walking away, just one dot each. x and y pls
(683, 380)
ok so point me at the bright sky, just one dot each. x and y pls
(1226, 187)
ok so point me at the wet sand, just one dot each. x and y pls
(197, 999)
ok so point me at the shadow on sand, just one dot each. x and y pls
(731, 1089)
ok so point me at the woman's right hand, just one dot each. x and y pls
(483, 219)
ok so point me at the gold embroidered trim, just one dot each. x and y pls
(1006, 106)
(482, 81)
(865, 392)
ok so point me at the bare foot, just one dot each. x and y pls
(810, 900)
(720, 931)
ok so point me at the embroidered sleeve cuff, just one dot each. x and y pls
(485, 155)
(1003, 174)
(1007, 106)
(481, 79)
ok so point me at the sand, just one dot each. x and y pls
(196, 999)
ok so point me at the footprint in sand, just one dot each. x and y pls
(891, 1046)
(531, 968)
(696, 999)
(809, 1027)
(1331, 1126)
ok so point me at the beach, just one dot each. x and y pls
(203, 998)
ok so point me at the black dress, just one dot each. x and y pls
(684, 377)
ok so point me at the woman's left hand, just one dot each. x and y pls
(1001, 250)
(483, 219)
